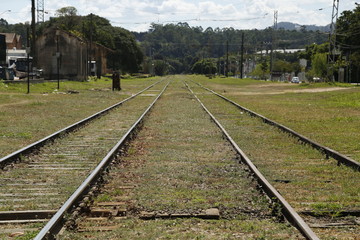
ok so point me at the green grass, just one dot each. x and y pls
(280, 157)
(331, 118)
(26, 118)
(192, 229)
(312, 182)
(180, 163)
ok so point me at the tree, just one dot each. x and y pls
(66, 12)
(264, 68)
(161, 68)
(261, 70)
(348, 39)
(282, 66)
(179, 41)
(296, 67)
(127, 55)
(205, 66)
(67, 18)
(3, 23)
(319, 65)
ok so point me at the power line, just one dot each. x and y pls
(196, 20)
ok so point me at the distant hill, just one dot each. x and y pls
(294, 26)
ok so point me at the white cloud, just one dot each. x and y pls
(138, 15)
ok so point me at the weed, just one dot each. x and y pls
(27, 236)
(103, 198)
(117, 192)
(327, 209)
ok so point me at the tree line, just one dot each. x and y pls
(188, 49)
(180, 48)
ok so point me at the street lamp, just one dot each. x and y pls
(5, 12)
(58, 58)
(28, 50)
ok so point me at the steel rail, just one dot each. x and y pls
(25, 150)
(290, 214)
(55, 223)
(325, 150)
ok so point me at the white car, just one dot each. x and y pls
(295, 80)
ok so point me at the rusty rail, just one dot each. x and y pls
(56, 222)
(28, 149)
(290, 214)
(342, 159)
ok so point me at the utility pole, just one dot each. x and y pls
(33, 31)
(58, 58)
(227, 58)
(28, 57)
(332, 39)
(86, 59)
(242, 56)
(91, 43)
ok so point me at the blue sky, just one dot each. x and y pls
(137, 15)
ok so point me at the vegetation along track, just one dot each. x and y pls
(15, 156)
(180, 180)
(326, 194)
(32, 190)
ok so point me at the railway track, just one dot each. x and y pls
(342, 159)
(15, 156)
(180, 170)
(40, 177)
(322, 191)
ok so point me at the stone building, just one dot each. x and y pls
(13, 40)
(73, 53)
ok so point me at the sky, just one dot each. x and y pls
(136, 15)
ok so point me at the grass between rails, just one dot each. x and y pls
(49, 188)
(326, 113)
(25, 118)
(82, 149)
(327, 117)
(191, 229)
(179, 163)
(281, 158)
(301, 174)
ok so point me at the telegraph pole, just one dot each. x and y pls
(28, 57)
(227, 58)
(91, 43)
(33, 31)
(242, 56)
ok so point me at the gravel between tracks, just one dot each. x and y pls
(47, 178)
(180, 164)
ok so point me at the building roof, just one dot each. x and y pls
(10, 37)
(281, 51)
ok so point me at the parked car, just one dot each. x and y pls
(295, 80)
